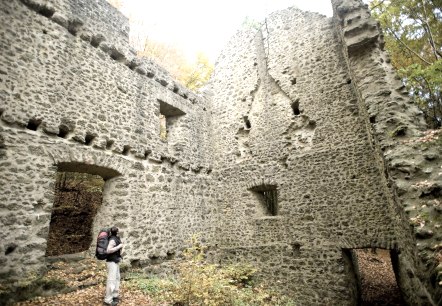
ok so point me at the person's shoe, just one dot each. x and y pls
(115, 300)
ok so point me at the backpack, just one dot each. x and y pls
(102, 243)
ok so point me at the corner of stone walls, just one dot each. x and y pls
(71, 61)
(409, 155)
(80, 24)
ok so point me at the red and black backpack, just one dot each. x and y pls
(102, 243)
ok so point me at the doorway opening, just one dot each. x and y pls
(78, 195)
(372, 277)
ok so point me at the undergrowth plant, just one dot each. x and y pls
(198, 282)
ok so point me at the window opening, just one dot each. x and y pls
(169, 119)
(163, 127)
(247, 123)
(77, 199)
(295, 108)
(268, 196)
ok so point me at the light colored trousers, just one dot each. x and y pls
(113, 281)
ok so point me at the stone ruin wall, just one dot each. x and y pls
(291, 105)
(338, 170)
(330, 188)
(68, 104)
(412, 166)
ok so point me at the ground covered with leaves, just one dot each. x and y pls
(90, 296)
(378, 282)
(196, 282)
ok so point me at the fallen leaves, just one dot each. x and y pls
(378, 282)
(85, 280)
(90, 297)
(428, 136)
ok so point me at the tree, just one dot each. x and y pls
(413, 37)
(193, 75)
(250, 23)
(166, 55)
(196, 75)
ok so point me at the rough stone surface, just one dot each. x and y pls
(305, 106)
(67, 105)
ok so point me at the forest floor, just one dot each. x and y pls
(377, 281)
(90, 297)
(87, 280)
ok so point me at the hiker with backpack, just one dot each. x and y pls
(113, 258)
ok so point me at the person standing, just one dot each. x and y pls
(114, 250)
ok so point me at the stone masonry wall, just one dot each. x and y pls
(303, 108)
(101, 16)
(71, 102)
(71, 75)
(289, 116)
(411, 163)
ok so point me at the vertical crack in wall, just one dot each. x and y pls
(299, 134)
(242, 135)
(265, 56)
(268, 41)
(243, 132)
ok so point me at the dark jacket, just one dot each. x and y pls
(115, 256)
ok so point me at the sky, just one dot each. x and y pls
(203, 25)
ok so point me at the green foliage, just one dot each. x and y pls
(153, 286)
(240, 275)
(200, 283)
(124, 267)
(166, 55)
(196, 75)
(250, 23)
(424, 83)
(413, 37)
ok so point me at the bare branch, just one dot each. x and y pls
(430, 34)
(408, 48)
(377, 5)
